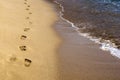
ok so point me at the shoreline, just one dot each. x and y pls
(82, 59)
(28, 41)
(105, 45)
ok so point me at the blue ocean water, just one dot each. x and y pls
(98, 18)
(116, 2)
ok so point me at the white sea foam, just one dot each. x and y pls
(106, 45)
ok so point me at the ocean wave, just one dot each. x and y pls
(106, 45)
(114, 2)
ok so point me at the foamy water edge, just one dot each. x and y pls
(106, 45)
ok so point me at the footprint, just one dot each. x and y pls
(23, 37)
(27, 9)
(13, 59)
(27, 62)
(25, 3)
(22, 48)
(28, 6)
(30, 13)
(27, 17)
(26, 29)
(30, 22)
(25, 0)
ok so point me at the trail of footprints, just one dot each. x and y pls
(23, 48)
(27, 62)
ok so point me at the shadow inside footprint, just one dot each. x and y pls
(30, 22)
(25, 3)
(26, 29)
(23, 37)
(28, 6)
(27, 62)
(30, 13)
(22, 48)
(27, 17)
(27, 9)
(25, 0)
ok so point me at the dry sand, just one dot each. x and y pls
(26, 33)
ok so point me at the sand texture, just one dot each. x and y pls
(27, 40)
(82, 59)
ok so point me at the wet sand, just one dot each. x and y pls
(81, 59)
(28, 42)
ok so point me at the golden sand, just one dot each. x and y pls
(26, 33)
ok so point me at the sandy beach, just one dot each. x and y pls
(36, 44)
(28, 42)
(81, 59)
